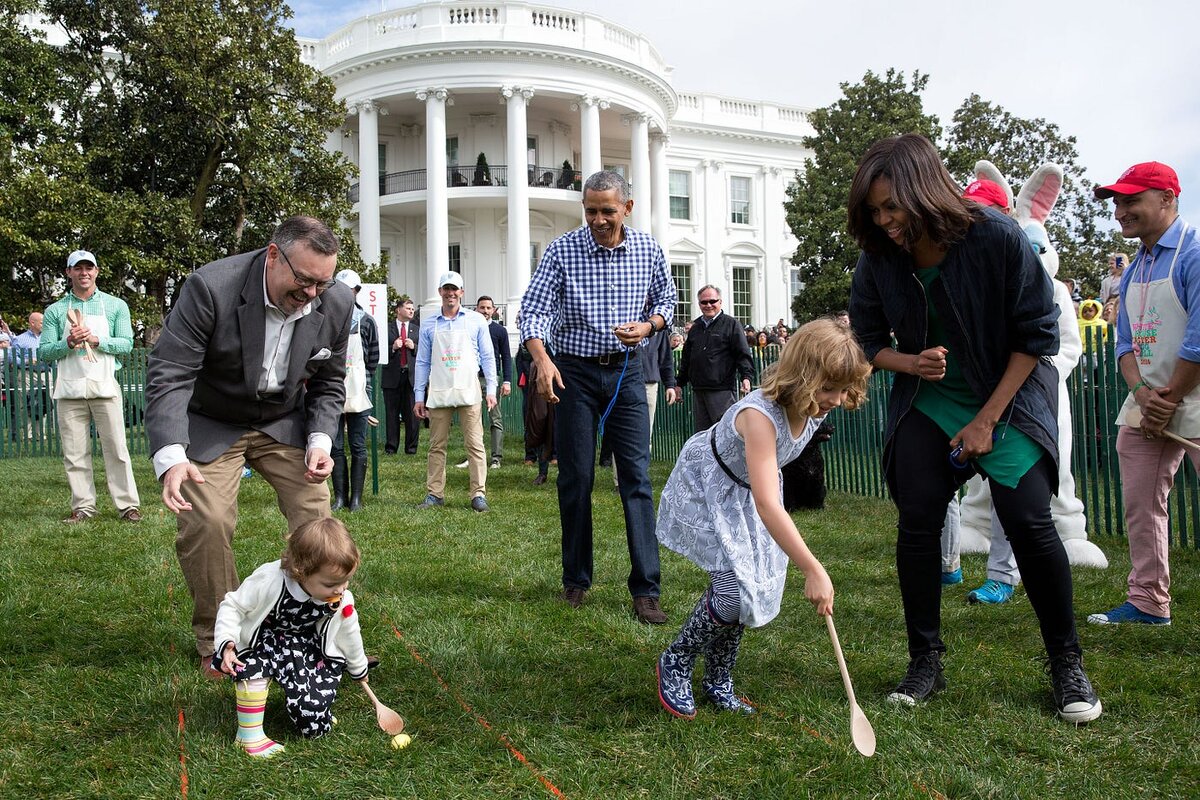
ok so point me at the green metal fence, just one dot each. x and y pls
(28, 426)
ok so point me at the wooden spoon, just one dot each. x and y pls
(75, 317)
(1133, 418)
(389, 721)
(861, 732)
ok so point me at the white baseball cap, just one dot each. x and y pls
(450, 278)
(350, 278)
(80, 255)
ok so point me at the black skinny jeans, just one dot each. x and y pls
(922, 483)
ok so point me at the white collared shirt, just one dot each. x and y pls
(277, 352)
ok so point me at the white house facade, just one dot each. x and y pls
(546, 97)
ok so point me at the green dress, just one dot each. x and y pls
(952, 405)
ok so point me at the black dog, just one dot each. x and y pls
(804, 478)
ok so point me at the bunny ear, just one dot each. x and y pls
(1040, 192)
(988, 170)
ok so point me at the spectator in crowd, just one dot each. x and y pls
(1109, 312)
(504, 367)
(454, 347)
(1110, 285)
(250, 368)
(362, 357)
(676, 341)
(85, 332)
(24, 353)
(398, 376)
(990, 408)
(1158, 354)
(842, 317)
(1093, 330)
(715, 355)
(595, 379)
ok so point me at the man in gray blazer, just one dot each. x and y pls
(250, 368)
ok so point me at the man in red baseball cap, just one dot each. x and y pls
(1158, 353)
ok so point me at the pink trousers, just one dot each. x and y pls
(1148, 468)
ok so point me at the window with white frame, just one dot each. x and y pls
(742, 294)
(739, 199)
(454, 259)
(796, 285)
(533, 257)
(680, 190)
(382, 168)
(620, 169)
(531, 150)
(451, 151)
(682, 275)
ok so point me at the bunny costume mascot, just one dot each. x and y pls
(980, 531)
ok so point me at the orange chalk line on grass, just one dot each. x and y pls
(483, 723)
(183, 758)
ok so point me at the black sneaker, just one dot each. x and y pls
(924, 677)
(1074, 696)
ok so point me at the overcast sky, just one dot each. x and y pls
(1120, 76)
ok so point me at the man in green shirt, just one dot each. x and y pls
(84, 332)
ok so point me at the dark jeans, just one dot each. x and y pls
(588, 390)
(356, 426)
(922, 482)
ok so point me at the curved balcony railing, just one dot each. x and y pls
(416, 180)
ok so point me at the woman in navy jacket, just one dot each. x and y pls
(974, 320)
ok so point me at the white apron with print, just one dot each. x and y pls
(1158, 322)
(80, 379)
(357, 399)
(453, 369)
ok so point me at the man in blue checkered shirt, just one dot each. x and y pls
(598, 292)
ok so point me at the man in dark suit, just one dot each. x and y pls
(250, 368)
(398, 376)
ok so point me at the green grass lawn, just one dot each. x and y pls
(102, 696)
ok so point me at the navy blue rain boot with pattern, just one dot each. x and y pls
(677, 661)
(720, 657)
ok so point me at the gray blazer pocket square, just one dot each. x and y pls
(321, 354)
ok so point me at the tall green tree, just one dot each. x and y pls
(188, 129)
(876, 107)
(1018, 146)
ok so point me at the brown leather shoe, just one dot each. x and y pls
(76, 517)
(131, 515)
(648, 611)
(573, 596)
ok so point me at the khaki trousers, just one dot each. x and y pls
(471, 419)
(204, 541)
(108, 415)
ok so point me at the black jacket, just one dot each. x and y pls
(715, 356)
(658, 365)
(392, 373)
(995, 299)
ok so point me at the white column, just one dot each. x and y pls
(590, 107)
(437, 215)
(368, 181)
(639, 168)
(660, 200)
(518, 197)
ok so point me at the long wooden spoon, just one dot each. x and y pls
(389, 721)
(75, 317)
(861, 731)
(1133, 418)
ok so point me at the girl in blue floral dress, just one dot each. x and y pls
(722, 508)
